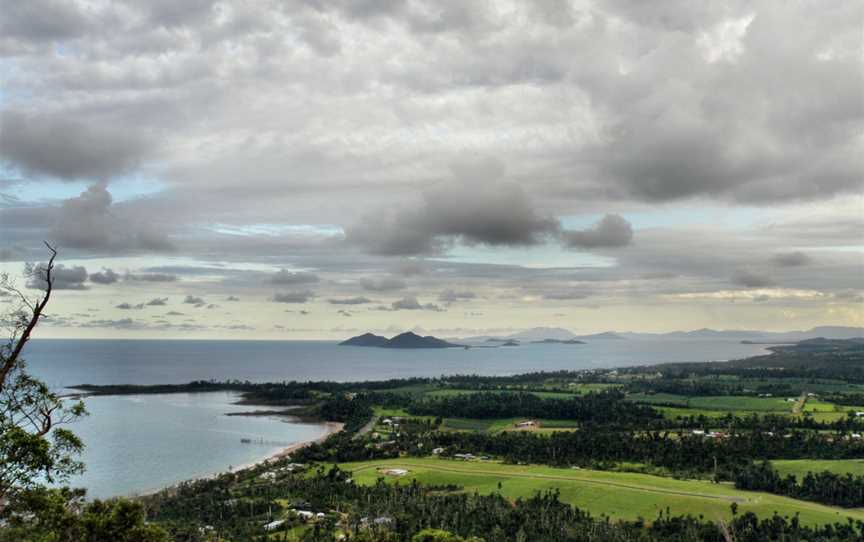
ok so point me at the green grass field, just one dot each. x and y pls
(542, 394)
(496, 425)
(616, 494)
(721, 403)
(800, 467)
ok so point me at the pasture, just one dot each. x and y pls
(619, 495)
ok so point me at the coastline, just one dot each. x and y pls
(330, 428)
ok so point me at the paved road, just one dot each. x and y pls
(366, 428)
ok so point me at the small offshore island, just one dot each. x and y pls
(403, 340)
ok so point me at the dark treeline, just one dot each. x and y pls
(846, 399)
(405, 509)
(606, 407)
(824, 487)
(679, 452)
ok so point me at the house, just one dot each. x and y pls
(269, 475)
(387, 421)
(699, 432)
(273, 525)
(464, 457)
(304, 514)
(529, 423)
(438, 451)
(859, 414)
(320, 515)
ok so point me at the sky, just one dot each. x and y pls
(294, 169)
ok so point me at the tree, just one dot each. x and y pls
(34, 448)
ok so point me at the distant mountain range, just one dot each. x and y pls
(553, 334)
(404, 340)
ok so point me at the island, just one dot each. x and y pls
(403, 340)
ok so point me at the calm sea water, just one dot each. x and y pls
(68, 362)
(139, 443)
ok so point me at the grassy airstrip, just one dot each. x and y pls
(615, 494)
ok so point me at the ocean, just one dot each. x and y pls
(139, 443)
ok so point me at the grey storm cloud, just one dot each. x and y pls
(791, 259)
(751, 279)
(684, 104)
(129, 306)
(63, 277)
(106, 276)
(90, 222)
(478, 212)
(410, 303)
(285, 277)
(158, 302)
(610, 232)
(194, 300)
(232, 298)
(360, 300)
(293, 297)
(65, 148)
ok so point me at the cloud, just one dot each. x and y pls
(151, 277)
(611, 231)
(89, 222)
(106, 276)
(451, 296)
(285, 277)
(790, 259)
(293, 297)
(63, 277)
(66, 148)
(751, 279)
(350, 301)
(158, 302)
(386, 284)
(232, 298)
(565, 295)
(410, 303)
(194, 300)
(129, 306)
(471, 211)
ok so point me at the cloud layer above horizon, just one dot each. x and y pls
(461, 165)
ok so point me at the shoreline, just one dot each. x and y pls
(330, 428)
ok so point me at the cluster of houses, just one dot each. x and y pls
(271, 475)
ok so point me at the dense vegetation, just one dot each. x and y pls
(825, 487)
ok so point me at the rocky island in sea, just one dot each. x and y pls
(403, 340)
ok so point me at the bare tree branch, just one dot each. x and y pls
(36, 313)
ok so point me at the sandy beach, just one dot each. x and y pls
(330, 428)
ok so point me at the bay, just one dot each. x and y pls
(139, 443)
